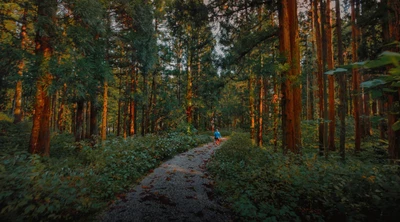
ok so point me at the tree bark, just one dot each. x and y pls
(317, 31)
(288, 46)
(342, 83)
(104, 115)
(18, 114)
(40, 136)
(331, 81)
(356, 83)
(79, 120)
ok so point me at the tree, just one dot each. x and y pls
(40, 137)
(291, 102)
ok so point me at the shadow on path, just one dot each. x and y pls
(178, 190)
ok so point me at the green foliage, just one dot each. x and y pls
(265, 186)
(13, 137)
(78, 181)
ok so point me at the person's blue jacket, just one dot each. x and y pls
(217, 135)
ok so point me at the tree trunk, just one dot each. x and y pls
(88, 108)
(356, 83)
(40, 136)
(260, 112)
(291, 94)
(132, 112)
(104, 114)
(318, 40)
(93, 118)
(342, 83)
(189, 91)
(79, 120)
(331, 82)
(18, 114)
(61, 111)
(251, 105)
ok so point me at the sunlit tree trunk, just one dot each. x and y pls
(342, 83)
(356, 83)
(40, 136)
(132, 104)
(104, 114)
(260, 112)
(18, 114)
(119, 106)
(288, 46)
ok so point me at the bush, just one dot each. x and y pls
(265, 186)
(77, 182)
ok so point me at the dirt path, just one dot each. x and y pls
(178, 190)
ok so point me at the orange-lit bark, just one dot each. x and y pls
(132, 117)
(104, 115)
(40, 136)
(288, 46)
(260, 112)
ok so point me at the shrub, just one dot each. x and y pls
(77, 182)
(265, 186)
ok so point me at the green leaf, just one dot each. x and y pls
(330, 72)
(396, 84)
(396, 125)
(372, 83)
(389, 90)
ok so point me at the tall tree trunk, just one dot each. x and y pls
(119, 106)
(251, 105)
(318, 40)
(342, 83)
(331, 81)
(356, 83)
(18, 114)
(189, 91)
(93, 118)
(61, 111)
(260, 112)
(88, 108)
(132, 112)
(40, 136)
(291, 94)
(104, 114)
(394, 99)
(79, 120)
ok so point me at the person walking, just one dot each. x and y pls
(217, 137)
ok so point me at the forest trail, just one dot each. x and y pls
(178, 190)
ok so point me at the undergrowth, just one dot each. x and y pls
(77, 180)
(262, 185)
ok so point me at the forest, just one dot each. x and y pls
(95, 94)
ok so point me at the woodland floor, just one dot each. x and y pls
(180, 189)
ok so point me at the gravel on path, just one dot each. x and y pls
(180, 189)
